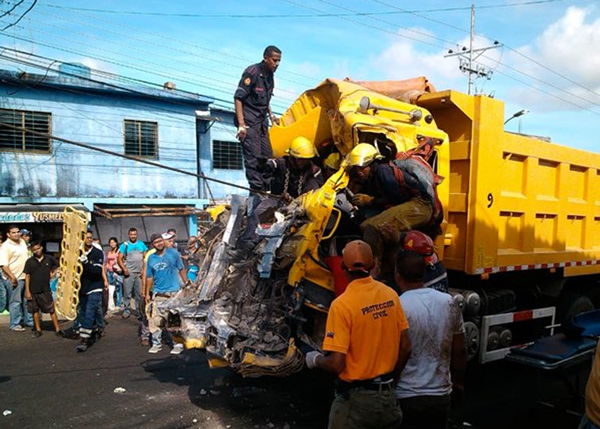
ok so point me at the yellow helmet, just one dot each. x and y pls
(363, 154)
(333, 161)
(302, 147)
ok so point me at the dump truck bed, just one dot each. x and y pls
(515, 202)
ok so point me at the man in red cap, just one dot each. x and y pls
(364, 326)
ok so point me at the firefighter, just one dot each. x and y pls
(331, 165)
(435, 276)
(292, 175)
(252, 108)
(403, 189)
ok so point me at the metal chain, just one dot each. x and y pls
(286, 181)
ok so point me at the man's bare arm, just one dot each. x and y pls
(404, 351)
(333, 362)
(239, 114)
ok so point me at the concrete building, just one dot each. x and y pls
(166, 126)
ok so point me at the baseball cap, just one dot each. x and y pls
(167, 236)
(358, 256)
(25, 232)
(154, 237)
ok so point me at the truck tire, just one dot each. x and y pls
(571, 304)
(471, 339)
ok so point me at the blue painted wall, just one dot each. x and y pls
(223, 130)
(97, 119)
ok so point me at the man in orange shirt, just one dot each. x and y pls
(364, 327)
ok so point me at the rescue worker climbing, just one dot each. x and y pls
(404, 189)
(292, 176)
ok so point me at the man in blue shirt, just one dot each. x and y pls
(162, 269)
(131, 261)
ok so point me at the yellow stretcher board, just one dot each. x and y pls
(69, 280)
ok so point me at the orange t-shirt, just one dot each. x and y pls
(365, 323)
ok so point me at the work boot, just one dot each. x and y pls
(82, 347)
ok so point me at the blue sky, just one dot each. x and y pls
(550, 63)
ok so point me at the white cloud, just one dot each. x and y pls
(570, 47)
(403, 59)
(95, 65)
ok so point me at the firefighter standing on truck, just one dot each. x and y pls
(364, 325)
(252, 110)
(403, 189)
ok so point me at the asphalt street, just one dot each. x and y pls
(44, 383)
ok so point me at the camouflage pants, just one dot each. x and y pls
(365, 409)
(403, 217)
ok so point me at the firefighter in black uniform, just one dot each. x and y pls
(293, 175)
(252, 110)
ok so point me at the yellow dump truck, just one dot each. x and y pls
(520, 239)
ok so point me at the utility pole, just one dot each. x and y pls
(467, 58)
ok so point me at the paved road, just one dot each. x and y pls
(47, 385)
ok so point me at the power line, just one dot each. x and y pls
(179, 42)
(21, 17)
(132, 158)
(552, 71)
(137, 68)
(470, 69)
(446, 24)
(284, 15)
(125, 89)
(367, 25)
(131, 66)
(153, 52)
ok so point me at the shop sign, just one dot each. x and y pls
(31, 217)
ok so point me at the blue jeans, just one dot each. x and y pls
(5, 293)
(586, 423)
(17, 306)
(90, 307)
(117, 281)
(132, 285)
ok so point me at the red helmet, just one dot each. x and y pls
(417, 242)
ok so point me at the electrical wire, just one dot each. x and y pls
(138, 68)
(182, 42)
(282, 15)
(136, 159)
(21, 17)
(153, 52)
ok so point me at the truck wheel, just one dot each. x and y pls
(571, 304)
(471, 339)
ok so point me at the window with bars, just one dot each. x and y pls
(141, 138)
(227, 155)
(12, 139)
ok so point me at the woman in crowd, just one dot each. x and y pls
(114, 272)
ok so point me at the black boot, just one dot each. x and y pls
(83, 346)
